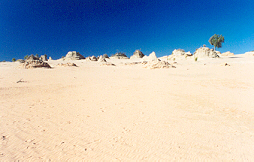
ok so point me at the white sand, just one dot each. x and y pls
(193, 112)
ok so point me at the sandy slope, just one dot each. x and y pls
(197, 111)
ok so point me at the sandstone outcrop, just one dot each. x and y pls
(105, 56)
(218, 53)
(188, 53)
(31, 58)
(205, 52)
(119, 55)
(249, 53)
(225, 64)
(151, 57)
(73, 55)
(43, 58)
(108, 64)
(137, 54)
(66, 64)
(35, 64)
(102, 59)
(92, 58)
(133, 63)
(178, 52)
(158, 65)
(227, 54)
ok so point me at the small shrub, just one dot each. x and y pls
(26, 56)
(196, 59)
(174, 59)
(13, 60)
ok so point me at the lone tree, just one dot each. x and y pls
(216, 40)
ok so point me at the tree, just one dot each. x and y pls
(26, 56)
(216, 40)
(13, 59)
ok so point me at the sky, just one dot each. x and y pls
(96, 27)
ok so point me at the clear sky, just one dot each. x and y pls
(96, 27)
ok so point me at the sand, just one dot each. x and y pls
(198, 111)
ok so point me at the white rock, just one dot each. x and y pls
(205, 52)
(151, 57)
(227, 54)
(249, 53)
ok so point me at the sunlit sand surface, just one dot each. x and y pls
(198, 111)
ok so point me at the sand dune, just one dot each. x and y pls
(195, 112)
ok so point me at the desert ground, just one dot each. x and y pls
(199, 111)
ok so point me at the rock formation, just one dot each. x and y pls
(102, 59)
(108, 64)
(227, 54)
(137, 54)
(50, 58)
(225, 64)
(205, 52)
(133, 63)
(67, 64)
(35, 64)
(105, 56)
(92, 58)
(188, 53)
(73, 55)
(31, 58)
(249, 53)
(119, 55)
(158, 65)
(151, 57)
(43, 58)
(218, 53)
(178, 52)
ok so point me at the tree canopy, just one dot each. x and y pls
(216, 40)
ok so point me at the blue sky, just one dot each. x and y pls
(91, 27)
